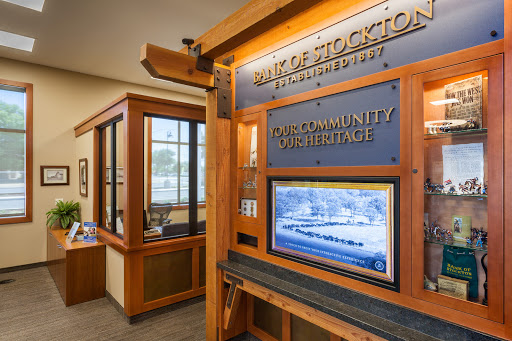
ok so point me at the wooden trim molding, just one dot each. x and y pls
(29, 170)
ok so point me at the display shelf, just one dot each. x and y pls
(248, 168)
(247, 187)
(480, 131)
(457, 244)
(458, 195)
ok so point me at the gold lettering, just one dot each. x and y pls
(369, 134)
(298, 141)
(327, 67)
(358, 138)
(303, 57)
(333, 45)
(365, 33)
(281, 144)
(345, 125)
(336, 65)
(293, 129)
(417, 10)
(347, 136)
(291, 62)
(383, 26)
(314, 125)
(338, 133)
(317, 54)
(276, 84)
(301, 76)
(323, 125)
(388, 113)
(359, 119)
(278, 134)
(272, 70)
(294, 79)
(302, 125)
(286, 130)
(344, 62)
(309, 141)
(407, 20)
(257, 77)
(272, 132)
(335, 124)
(317, 139)
(319, 70)
(280, 67)
(325, 139)
(349, 39)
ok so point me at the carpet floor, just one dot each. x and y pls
(31, 309)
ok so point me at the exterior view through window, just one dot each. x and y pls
(13, 154)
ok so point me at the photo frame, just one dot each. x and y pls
(54, 175)
(83, 176)
(349, 226)
(119, 175)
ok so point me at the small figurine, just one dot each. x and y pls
(244, 185)
(452, 190)
(428, 284)
(468, 241)
(479, 242)
(249, 184)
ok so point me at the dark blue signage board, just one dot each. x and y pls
(392, 34)
(359, 127)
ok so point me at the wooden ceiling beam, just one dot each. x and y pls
(174, 66)
(248, 22)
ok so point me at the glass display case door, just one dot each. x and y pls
(457, 148)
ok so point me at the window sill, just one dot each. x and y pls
(185, 206)
(15, 220)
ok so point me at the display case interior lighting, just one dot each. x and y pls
(16, 41)
(445, 101)
(36, 5)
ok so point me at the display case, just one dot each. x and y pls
(248, 168)
(457, 187)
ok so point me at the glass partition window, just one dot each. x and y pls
(112, 177)
(13, 153)
(175, 180)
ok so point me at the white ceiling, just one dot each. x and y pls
(103, 37)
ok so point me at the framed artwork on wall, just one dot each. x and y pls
(344, 225)
(82, 176)
(54, 175)
(119, 175)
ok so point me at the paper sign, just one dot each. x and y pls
(89, 232)
(72, 232)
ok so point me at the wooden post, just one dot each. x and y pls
(217, 207)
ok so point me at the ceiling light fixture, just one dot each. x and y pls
(36, 5)
(445, 101)
(16, 41)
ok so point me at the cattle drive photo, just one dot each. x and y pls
(334, 223)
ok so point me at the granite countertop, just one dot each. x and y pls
(381, 318)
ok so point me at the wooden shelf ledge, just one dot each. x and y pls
(350, 308)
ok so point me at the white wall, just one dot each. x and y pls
(62, 99)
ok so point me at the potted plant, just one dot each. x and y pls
(66, 212)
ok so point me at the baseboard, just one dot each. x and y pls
(144, 316)
(22, 267)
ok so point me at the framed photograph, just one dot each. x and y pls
(82, 176)
(344, 225)
(54, 175)
(119, 175)
(461, 227)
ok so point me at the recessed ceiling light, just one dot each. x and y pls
(16, 41)
(36, 5)
(445, 101)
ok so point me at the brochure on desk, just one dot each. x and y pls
(89, 232)
(72, 232)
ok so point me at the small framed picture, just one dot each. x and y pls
(119, 175)
(54, 175)
(82, 176)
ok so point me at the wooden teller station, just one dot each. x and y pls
(155, 245)
(357, 173)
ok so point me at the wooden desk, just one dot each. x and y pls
(77, 268)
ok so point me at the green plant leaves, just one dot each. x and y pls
(67, 212)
